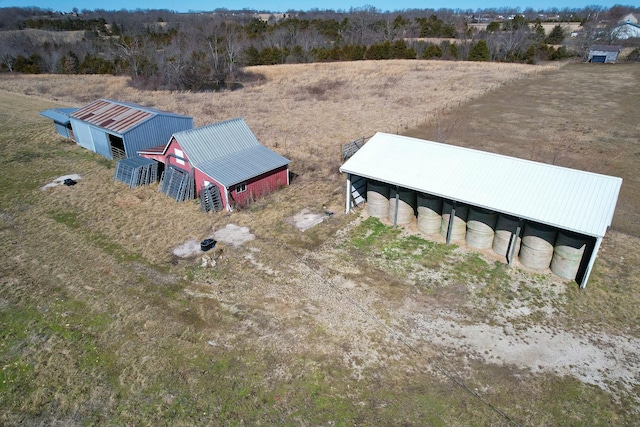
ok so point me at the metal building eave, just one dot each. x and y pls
(242, 166)
(59, 115)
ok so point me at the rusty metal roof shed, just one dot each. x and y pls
(116, 129)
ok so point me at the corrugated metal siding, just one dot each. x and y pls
(155, 132)
(569, 199)
(228, 152)
(243, 165)
(82, 132)
(59, 115)
(62, 130)
(217, 140)
(112, 116)
(101, 142)
(261, 185)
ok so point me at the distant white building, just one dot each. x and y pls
(605, 54)
(628, 30)
(632, 18)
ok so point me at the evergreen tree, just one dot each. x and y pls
(453, 51)
(479, 51)
(432, 51)
(556, 36)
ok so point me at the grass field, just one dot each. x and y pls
(351, 322)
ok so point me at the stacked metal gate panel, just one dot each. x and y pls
(210, 199)
(177, 184)
(136, 171)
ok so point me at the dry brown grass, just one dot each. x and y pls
(305, 111)
(272, 334)
(543, 118)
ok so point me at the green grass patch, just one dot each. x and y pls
(44, 355)
(472, 268)
(372, 237)
(113, 248)
(68, 218)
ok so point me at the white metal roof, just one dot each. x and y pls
(569, 199)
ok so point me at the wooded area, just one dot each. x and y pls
(161, 49)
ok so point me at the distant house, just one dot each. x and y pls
(632, 18)
(605, 54)
(224, 160)
(627, 30)
(117, 130)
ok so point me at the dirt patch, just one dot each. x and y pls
(61, 180)
(306, 219)
(234, 235)
(230, 234)
(187, 249)
(598, 359)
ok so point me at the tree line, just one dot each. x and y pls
(161, 49)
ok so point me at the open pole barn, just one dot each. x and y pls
(550, 217)
(225, 160)
(117, 130)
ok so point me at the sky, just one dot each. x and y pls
(285, 5)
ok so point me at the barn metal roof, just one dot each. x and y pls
(59, 115)
(605, 48)
(116, 116)
(569, 199)
(228, 152)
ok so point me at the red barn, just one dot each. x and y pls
(225, 155)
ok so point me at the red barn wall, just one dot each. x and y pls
(200, 178)
(255, 187)
(261, 185)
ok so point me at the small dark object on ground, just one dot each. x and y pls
(69, 182)
(328, 213)
(207, 244)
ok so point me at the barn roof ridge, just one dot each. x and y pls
(606, 47)
(134, 105)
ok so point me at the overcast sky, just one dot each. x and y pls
(285, 5)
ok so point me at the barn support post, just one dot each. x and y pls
(452, 217)
(395, 214)
(594, 254)
(348, 203)
(513, 242)
(226, 196)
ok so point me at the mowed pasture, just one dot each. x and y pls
(348, 323)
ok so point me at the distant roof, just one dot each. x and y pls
(228, 152)
(606, 48)
(117, 116)
(59, 115)
(569, 199)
